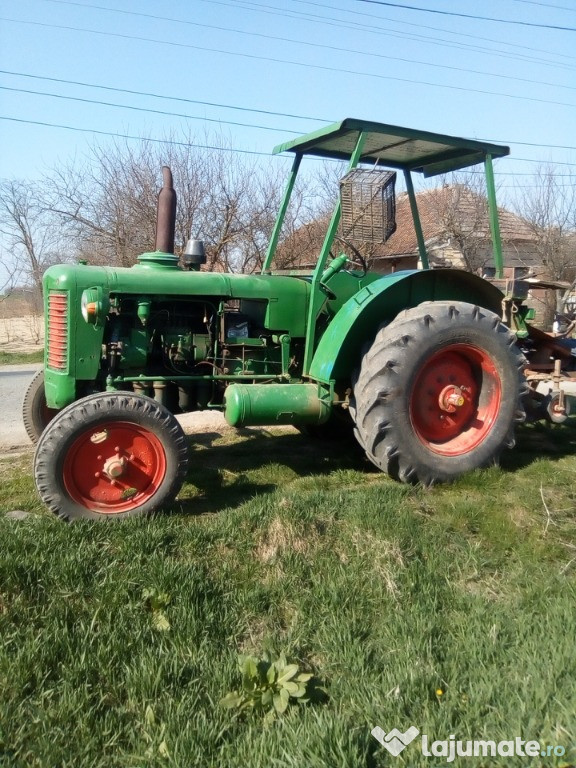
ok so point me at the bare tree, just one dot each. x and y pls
(462, 208)
(105, 207)
(548, 205)
(31, 238)
(266, 198)
(308, 215)
(9, 271)
(108, 206)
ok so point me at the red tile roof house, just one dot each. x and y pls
(456, 232)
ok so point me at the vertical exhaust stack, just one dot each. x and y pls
(166, 214)
(163, 256)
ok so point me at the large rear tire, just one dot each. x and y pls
(35, 413)
(438, 392)
(110, 456)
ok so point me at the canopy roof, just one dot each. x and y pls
(394, 147)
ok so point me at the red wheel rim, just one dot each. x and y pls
(455, 399)
(114, 467)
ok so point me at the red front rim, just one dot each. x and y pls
(455, 399)
(114, 467)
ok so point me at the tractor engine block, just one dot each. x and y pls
(157, 344)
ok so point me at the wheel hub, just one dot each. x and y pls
(451, 398)
(115, 466)
(455, 399)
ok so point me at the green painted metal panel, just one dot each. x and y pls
(416, 220)
(266, 404)
(494, 222)
(270, 253)
(286, 297)
(394, 147)
(84, 341)
(318, 297)
(339, 350)
(281, 301)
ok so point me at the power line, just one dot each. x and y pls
(276, 60)
(339, 49)
(223, 106)
(428, 27)
(232, 149)
(530, 144)
(541, 162)
(517, 173)
(163, 96)
(469, 16)
(303, 2)
(315, 18)
(545, 5)
(144, 109)
(136, 138)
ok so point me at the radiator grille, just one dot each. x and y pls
(58, 331)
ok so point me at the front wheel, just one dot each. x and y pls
(438, 392)
(35, 413)
(110, 456)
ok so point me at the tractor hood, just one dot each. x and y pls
(286, 297)
(140, 279)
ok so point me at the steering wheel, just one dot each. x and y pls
(359, 258)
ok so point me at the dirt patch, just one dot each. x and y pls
(280, 537)
(22, 334)
(204, 421)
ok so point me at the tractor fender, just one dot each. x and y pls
(357, 321)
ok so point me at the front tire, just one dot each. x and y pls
(35, 413)
(110, 456)
(438, 392)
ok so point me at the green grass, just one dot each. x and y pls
(387, 593)
(14, 358)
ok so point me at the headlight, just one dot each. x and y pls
(94, 306)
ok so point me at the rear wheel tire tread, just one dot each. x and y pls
(389, 368)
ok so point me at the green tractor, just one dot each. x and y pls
(425, 367)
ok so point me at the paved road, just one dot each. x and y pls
(14, 380)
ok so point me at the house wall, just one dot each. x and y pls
(520, 256)
(386, 266)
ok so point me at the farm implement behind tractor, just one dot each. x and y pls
(426, 367)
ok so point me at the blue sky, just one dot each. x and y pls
(310, 61)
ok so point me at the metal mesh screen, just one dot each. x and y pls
(368, 205)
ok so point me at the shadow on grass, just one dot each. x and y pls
(256, 462)
(259, 462)
(540, 440)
